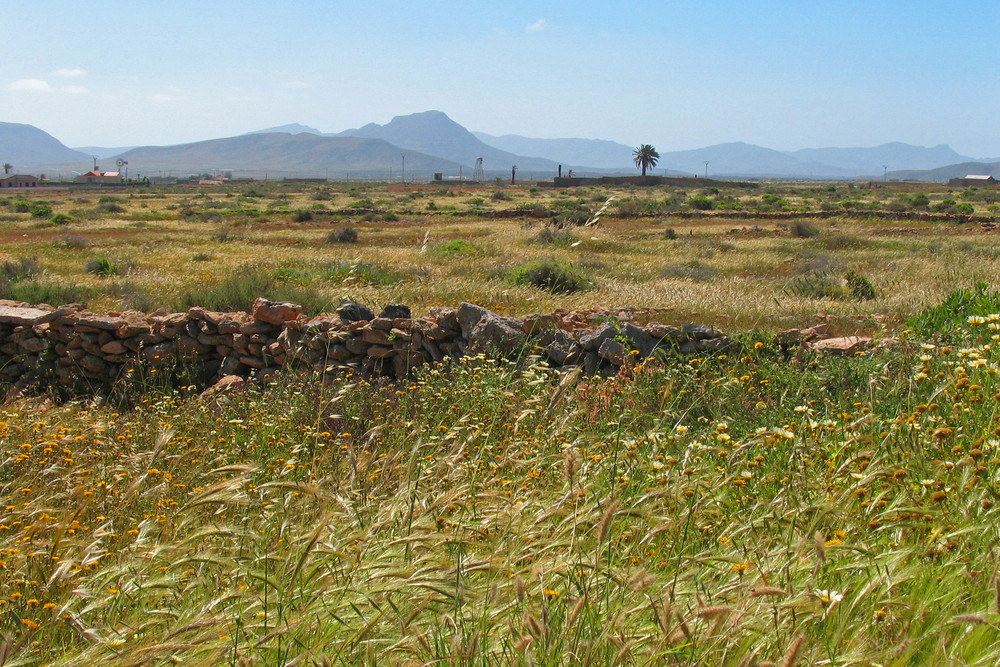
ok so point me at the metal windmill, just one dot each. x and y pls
(122, 163)
(477, 173)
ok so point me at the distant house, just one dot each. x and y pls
(100, 177)
(973, 180)
(19, 181)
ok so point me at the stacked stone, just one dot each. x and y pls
(80, 350)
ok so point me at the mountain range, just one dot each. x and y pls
(421, 144)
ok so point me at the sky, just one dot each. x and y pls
(678, 75)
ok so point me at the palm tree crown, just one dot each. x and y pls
(645, 157)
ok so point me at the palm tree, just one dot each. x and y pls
(645, 157)
(7, 166)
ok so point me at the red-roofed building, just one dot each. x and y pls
(100, 177)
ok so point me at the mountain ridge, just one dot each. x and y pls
(434, 143)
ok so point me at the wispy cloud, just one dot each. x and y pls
(32, 85)
(69, 72)
(296, 84)
(537, 26)
(73, 90)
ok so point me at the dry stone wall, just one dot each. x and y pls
(83, 352)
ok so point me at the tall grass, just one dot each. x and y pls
(717, 510)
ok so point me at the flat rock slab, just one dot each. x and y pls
(845, 345)
(24, 316)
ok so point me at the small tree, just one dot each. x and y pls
(645, 157)
(7, 166)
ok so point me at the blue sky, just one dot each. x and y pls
(679, 75)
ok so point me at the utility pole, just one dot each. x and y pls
(402, 171)
(513, 170)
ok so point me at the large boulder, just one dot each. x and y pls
(485, 330)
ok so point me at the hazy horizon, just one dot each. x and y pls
(680, 76)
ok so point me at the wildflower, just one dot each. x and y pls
(551, 593)
(829, 598)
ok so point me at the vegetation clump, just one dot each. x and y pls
(553, 275)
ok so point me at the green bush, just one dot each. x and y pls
(41, 211)
(21, 206)
(302, 215)
(60, 219)
(553, 275)
(952, 313)
(861, 287)
(701, 203)
(102, 267)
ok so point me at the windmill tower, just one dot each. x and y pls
(477, 173)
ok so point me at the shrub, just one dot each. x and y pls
(555, 236)
(73, 242)
(670, 233)
(817, 286)
(701, 203)
(60, 219)
(919, 200)
(345, 235)
(201, 257)
(804, 230)
(41, 211)
(553, 275)
(861, 287)
(571, 219)
(109, 205)
(228, 236)
(499, 195)
(102, 267)
(20, 269)
(21, 206)
(302, 215)
(965, 208)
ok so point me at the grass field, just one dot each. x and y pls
(767, 506)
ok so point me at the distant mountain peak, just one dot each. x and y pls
(291, 128)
